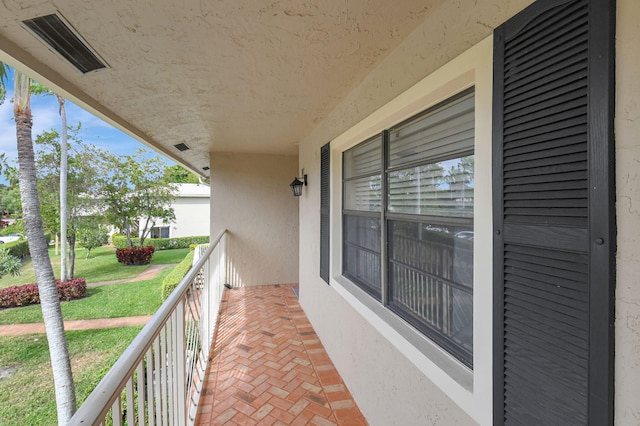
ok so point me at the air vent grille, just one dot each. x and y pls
(57, 34)
(181, 147)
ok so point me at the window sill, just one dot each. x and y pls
(425, 354)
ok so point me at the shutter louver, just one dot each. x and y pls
(546, 349)
(324, 211)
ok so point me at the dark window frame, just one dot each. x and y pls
(325, 211)
(386, 221)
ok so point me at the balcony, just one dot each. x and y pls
(259, 362)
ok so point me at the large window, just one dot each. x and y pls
(408, 221)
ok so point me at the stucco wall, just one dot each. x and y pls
(192, 217)
(392, 382)
(252, 200)
(388, 386)
(627, 123)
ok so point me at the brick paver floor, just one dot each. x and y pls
(268, 367)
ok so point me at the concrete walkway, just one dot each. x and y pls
(147, 274)
(20, 329)
(89, 324)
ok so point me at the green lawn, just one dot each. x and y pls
(101, 266)
(109, 301)
(27, 397)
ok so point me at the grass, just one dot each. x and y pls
(109, 301)
(101, 266)
(27, 397)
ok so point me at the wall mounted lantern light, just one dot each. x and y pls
(297, 184)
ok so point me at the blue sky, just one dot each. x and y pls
(45, 117)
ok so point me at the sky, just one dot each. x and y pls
(46, 117)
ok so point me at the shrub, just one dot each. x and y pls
(162, 243)
(174, 277)
(135, 255)
(9, 264)
(27, 294)
(192, 247)
(73, 289)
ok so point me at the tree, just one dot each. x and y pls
(38, 247)
(10, 201)
(136, 191)
(4, 74)
(178, 174)
(39, 89)
(92, 235)
(64, 169)
(82, 178)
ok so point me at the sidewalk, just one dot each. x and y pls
(20, 329)
(89, 324)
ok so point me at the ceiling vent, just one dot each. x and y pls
(205, 168)
(59, 35)
(182, 147)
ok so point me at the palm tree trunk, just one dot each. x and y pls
(38, 247)
(72, 255)
(64, 170)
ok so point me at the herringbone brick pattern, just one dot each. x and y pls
(268, 367)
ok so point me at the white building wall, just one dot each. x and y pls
(192, 217)
(251, 199)
(392, 382)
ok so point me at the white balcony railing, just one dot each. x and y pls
(159, 377)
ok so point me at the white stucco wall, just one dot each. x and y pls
(251, 199)
(192, 217)
(391, 384)
(627, 123)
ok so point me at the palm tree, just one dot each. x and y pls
(39, 89)
(3, 76)
(64, 171)
(38, 247)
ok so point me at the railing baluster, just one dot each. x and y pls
(131, 404)
(149, 383)
(116, 412)
(141, 393)
(171, 348)
(157, 380)
(180, 361)
(169, 356)
(164, 392)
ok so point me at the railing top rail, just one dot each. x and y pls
(109, 387)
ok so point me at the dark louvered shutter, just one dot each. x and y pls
(324, 212)
(553, 214)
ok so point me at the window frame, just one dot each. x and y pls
(385, 218)
(325, 212)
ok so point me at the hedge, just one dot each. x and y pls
(19, 249)
(174, 277)
(161, 243)
(27, 294)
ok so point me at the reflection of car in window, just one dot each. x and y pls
(467, 235)
(10, 238)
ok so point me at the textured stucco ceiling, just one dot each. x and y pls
(229, 76)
